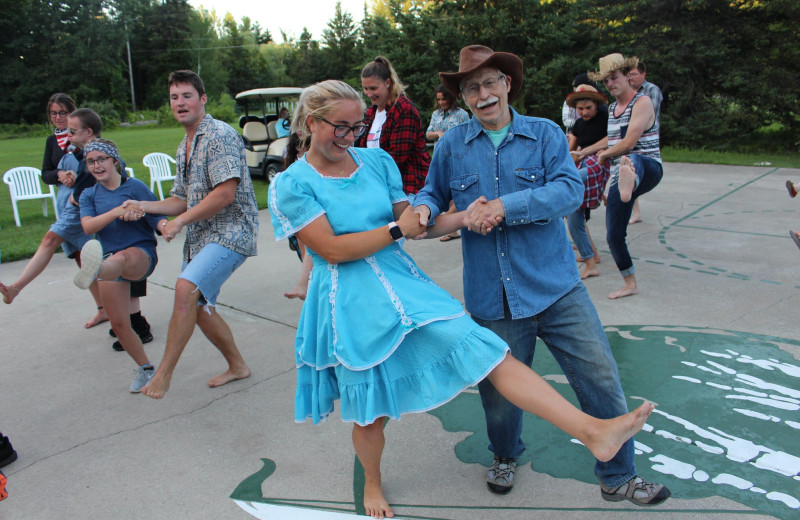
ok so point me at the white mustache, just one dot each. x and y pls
(493, 99)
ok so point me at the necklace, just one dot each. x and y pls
(325, 173)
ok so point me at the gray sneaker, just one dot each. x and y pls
(91, 260)
(500, 479)
(143, 376)
(638, 491)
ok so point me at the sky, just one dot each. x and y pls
(287, 15)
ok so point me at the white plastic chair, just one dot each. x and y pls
(160, 170)
(130, 172)
(24, 184)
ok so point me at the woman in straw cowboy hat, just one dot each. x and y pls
(376, 333)
(633, 148)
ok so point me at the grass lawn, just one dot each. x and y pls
(134, 143)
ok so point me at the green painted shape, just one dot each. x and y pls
(250, 488)
(647, 367)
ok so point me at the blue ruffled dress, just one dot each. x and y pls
(377, 334)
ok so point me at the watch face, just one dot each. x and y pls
(396, 232)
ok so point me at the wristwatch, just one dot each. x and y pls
(395, 231)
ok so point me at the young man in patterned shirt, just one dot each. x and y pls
(213, 199)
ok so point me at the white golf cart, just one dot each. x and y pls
(263, 148)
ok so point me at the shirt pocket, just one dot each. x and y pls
(464, 190)
(529, 178)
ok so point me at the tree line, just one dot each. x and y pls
(728, 69)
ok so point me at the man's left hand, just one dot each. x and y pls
(483, 216)
(172, 229)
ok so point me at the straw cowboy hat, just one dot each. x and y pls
(473, 57)
(585, 92)
(611, 63)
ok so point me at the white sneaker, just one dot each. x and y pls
(143, 376)
(91, 260)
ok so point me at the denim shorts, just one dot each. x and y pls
(209, 269)
(68, 227)
(151, 254)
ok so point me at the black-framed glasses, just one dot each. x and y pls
(72, 131)
(343, 130)
(62, 113)
(101, 159)
(490, 84)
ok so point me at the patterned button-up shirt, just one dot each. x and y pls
(217, 155)
(442, 121)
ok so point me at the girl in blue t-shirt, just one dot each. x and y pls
(125, 251)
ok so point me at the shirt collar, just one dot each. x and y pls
(518, 127)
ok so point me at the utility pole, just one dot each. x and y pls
(130, 66)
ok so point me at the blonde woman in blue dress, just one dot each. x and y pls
(375, 332)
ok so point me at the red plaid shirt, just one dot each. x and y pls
(402, 136)
(596, 181)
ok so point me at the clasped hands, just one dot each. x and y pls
(482, 216)
(134, 210)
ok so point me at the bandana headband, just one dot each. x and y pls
(97, 146)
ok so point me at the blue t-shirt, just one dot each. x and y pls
(121, 234)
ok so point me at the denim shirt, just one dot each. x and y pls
(528, 255)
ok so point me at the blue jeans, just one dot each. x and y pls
(572, 331)
(576, 222)
(618, 213)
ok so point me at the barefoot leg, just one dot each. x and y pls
(636, 216)
(181, 327)
(627, 179)
(629, 289)
(369, 442)
(526, 389)
(9, 292)
(218, 332)
(590, 269)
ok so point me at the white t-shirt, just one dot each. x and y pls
(374, 135)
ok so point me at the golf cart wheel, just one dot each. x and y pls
(271, 172)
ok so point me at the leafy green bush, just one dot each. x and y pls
(107, 111)
(165, 117)
(224, 108)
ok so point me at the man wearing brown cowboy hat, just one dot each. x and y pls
(633, 147)
(515, 176)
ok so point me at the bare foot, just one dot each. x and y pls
(375, 503)
(627, 290)
(634, 219)
(589, 272)
(627, 179)
(597, 259)
(228, 376)
(9, 292)
(157, 386)
(298, 292)
(99, 318)
(612, 434)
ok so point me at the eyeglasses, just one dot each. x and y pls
(92, 162)
(343, 130)
(62, 113)
(72, 131)
(490, 84)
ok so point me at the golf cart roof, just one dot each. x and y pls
(269, 93)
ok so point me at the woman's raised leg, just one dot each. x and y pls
(526, 389)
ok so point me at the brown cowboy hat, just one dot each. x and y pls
(473, 57)
(611, 63)
(585, 92)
